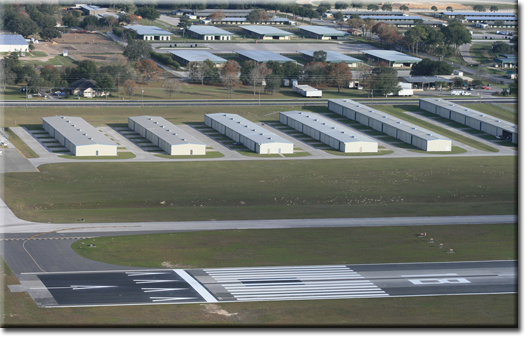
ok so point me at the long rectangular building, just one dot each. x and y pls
(392, 57)
(262, 56)
(407, 132)
(265, 32)
(329, 132)
(472, 118)
(166, 135)
(332, 57)
(79, 137)
(209, 33)
(184, 57)
(321, 32)
(150, 33)
(251, 135)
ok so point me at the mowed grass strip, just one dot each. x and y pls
(22, 147)
(495, 111)
(480, 310)
(399, 111)
(305, 246)
(205, 190)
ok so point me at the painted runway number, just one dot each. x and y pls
(439, 280)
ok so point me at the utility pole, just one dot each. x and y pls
(142, 97)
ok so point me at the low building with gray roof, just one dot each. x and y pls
(321, 32)
(251, 135)
(79, 137)
(392, 58)
(13, 43)
(395, 127)
(150, 33)
(262, 56)
(332, 57)
(166, 135)
(265, 32)
(330, 132)
(472, 118)
(209, 33)
(184, 57)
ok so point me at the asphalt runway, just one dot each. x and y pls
(179, 286)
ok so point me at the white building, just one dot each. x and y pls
(330, 132)
(474, 119)
(307, 91)
(251, 135)
(13, 43)
(79, 137)
(381, 121)
(166, 135)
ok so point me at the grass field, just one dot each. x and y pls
(304, 246)
(495, 111)
(129, 192)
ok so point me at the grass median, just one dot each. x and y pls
(205, 190)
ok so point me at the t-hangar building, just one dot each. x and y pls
(330, 132)
(472, 118)
(79, 137)
(166, 135)
(251, 135)
(381, 121)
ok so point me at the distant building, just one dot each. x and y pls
(262, 56)
(150, 33)
(265, 32)
(321, 32)
(184, 57)
(13, 43)
(209, 33)
(86, 88)
(332, 57)
(505, 61)
(392, 58)
(92, 10)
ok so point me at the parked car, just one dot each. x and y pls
(486, 87)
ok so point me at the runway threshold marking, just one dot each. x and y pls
(196, 285)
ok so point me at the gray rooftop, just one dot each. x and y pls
(78, 131)
(209, 30)
(263, 56)
(266, 30)
(332, 56)
(386, 118)
(391, 17)
(148, 30)
(506, 19)
(197, 55)
(247, 128)
(392, 55)
(166, 131)
(323, 30)
(327, 126)
(235, 19)
(434, 78)
(480, 116)
(476, 14)
(12, 40)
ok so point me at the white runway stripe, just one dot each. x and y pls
(294, 283)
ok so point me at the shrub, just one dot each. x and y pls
(165, 59)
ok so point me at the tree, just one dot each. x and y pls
(387, 7)
(479, 8)
(137, 49)
(149, 70)
(37, 84)
(476, 83)
(373, 7)
(319, 56)
(172, 86)
(86, 69)
(230, 76)
(494, 9)
(185, 24)
(257, 75)
(498, 23)
(197, 71)
(257, 16)
(404, 8)
(23, 26)
(321, 10)
(340, 5)
(129, 87)
(90, 22)
(290, 70)
(368, 26)
(70, 20)
(148, 12)
(118, 69)
(7, 76)
(338, 16)
(502, 48)
(48, 34)
(105, 82)
(339, 74)
(216, 16)
(384, 80)
(429, 67)
(357, 5)
(449, 9)
(52, 75)
(273, 83)
(314, 72)
(456, 34)
(434, 8)
(416, 35)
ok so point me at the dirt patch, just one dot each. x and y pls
(174, 266)
(216, 309)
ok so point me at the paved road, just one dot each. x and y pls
(284, 283)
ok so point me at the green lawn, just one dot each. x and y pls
(130, 192)
(495, 111)
(305, 246)
(482, 53)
